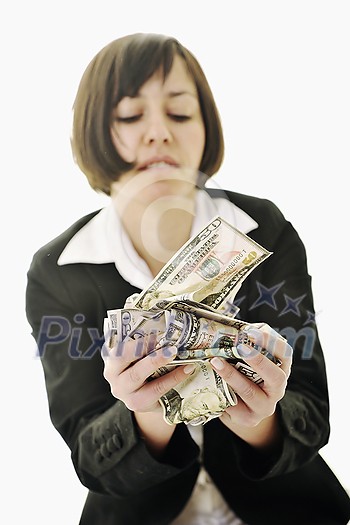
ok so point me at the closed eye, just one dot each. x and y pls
(179, 118)
(136, 118)
(129, 120)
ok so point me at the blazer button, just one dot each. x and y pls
(113, 443)
(300, 424)
(104, 451)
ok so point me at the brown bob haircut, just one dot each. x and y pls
(119, 70)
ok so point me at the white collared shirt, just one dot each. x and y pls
(104, 240)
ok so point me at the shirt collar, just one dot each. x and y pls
(103, 239)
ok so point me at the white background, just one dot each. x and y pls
(280, 73)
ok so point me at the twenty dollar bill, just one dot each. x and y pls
(208, 269)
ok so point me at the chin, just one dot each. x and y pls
(172, 189)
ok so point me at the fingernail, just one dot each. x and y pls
(169, 351)
(242, 350)
(188, 369)
(217, 363)
(246, 351)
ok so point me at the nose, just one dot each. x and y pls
(157, 130)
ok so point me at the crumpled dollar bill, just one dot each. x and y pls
(190, 304)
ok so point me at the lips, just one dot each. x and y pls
(158, 162)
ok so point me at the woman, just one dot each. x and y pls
(146, 131)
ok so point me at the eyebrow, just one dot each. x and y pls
(174, 94)
(170, 94)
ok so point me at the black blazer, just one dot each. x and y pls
(66, 305)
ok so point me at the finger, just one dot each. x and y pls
(274, 378)
(246, 389)
(126, 376)
(138, 373)
(153, 390)
(121, 358)
(274, 375)
(125, 352)
(268, 342)
(284, 353)
(266, 337)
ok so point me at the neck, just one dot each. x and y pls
(158, 231)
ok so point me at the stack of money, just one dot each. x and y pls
(189, 304)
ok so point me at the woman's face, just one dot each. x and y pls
(161, 130)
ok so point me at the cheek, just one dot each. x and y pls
(198, 142)
(125, 145)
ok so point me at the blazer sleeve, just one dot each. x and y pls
(279, 293)
(65, 311)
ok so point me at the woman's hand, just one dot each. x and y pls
(254, 418)
(128, 367)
